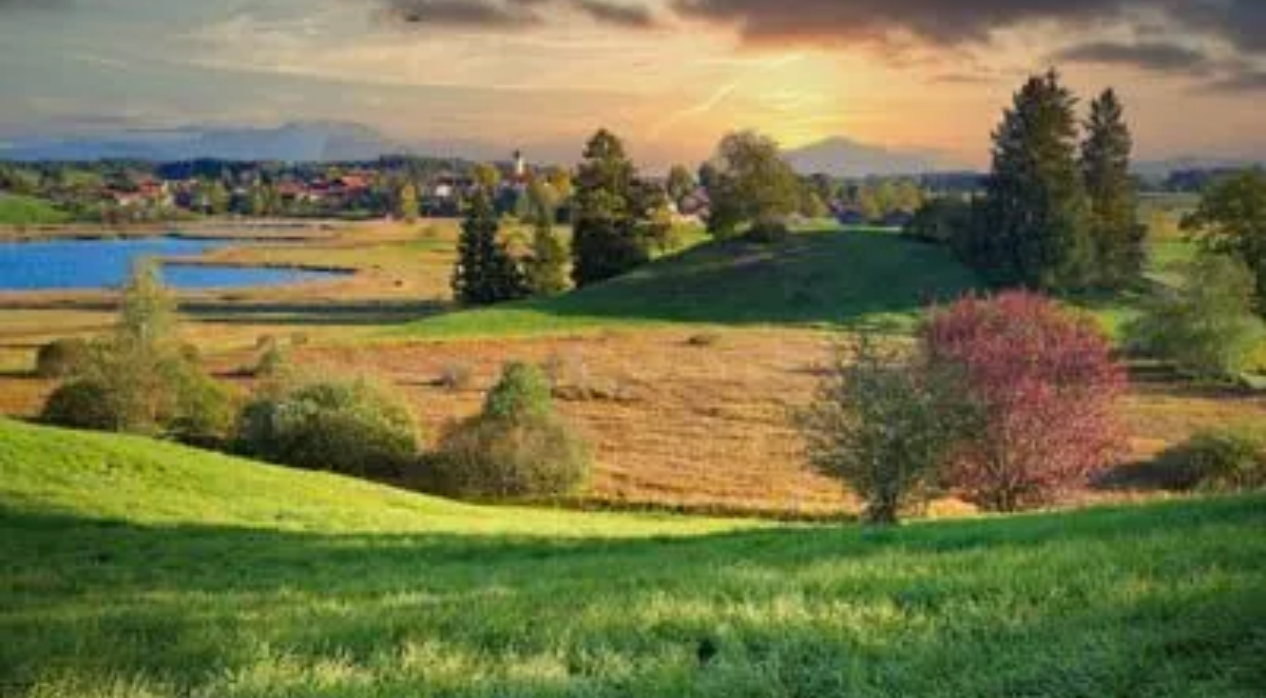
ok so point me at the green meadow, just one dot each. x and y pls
(26, 210)
(829, 277)
(136, 568)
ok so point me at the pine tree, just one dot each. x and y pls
(546, 267)
(1105, 162)
(605, 237)
(1034, 228)
(485, 271)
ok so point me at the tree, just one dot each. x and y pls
(1046, 387)
(606, 232)
(486, 176)
(1206, 325)
(546, 265)
(1035, 227)
(1119, 240)
(1231, 219)
(681, 183)
(407, 206)
(753, 185)
(517, 447)
(141, 379)
(485, 272)
(883, 422)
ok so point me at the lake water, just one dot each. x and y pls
(92, 264)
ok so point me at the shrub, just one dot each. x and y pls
(883, 422)
(204, 410)
(1046, 386)
(79, 404)
(1227, 459)
(1207, 325)
(941, 221)
(516, 448)
(353, 428)
(60, 358)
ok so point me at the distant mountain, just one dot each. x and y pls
(1160, 169)
(842, 157)
(308, 141)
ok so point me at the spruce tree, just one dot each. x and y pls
(546, 267)
(606, 240)
(1105, 163)
(485, 271)
(1034, 228)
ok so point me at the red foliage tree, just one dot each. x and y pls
(1045, 385)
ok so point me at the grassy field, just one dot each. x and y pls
(135, 569)
(18, 210)
(855, 277)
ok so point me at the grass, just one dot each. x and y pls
(26, 210)
(828, 277)
(141, 569)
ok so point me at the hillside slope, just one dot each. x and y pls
(831, 277)
(134, 569)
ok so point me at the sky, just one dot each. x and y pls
(670, 76)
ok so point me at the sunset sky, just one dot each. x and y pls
(670, 75)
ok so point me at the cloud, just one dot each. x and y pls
(514, 14)
(942, 23)
(834, 22)
(1229, 75)
(1154, 56)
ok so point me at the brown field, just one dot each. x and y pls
(684, 417)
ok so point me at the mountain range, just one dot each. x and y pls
(330, 141)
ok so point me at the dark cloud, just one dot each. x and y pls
(465, 13)
(1155, 56)
(631, 16)
(510, 14)
(1241, 23)
(933, 21)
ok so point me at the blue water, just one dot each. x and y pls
(91, 264)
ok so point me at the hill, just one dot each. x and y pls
(134, 568)
(27, 210)
(829, 277)
(842, 157)
(308, 141)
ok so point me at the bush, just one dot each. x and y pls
(941, 221)
(516, 448)
(1207, 326)
(352, 428)
(883, 422)
(1047, 387)
(204, 410)
(80, 404)
(60, 358)
(1228, 459)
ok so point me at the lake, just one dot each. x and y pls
(92, 264)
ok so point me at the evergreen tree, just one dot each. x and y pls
(1034, 227)
(605, 238)
(485, 271)
(546, 268)
(1105, 163)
